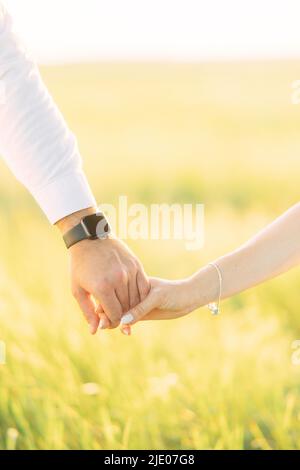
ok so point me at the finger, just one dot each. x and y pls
(122, 293)
(138, 312)
(104, 322)
(133, 292)
(112, 308)
(88, 308)
(143, 284)
(126, 330)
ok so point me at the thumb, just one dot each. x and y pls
(138, 312)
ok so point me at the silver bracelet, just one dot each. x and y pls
(214, 307)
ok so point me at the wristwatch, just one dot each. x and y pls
(90, 227)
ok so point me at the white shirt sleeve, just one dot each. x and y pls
(34, 138)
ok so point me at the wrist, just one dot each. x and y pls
(204, 286)
(74, 219)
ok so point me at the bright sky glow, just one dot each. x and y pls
(84, 30)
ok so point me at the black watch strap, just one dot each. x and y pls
(75, 235)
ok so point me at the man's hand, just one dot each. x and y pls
(105, 277)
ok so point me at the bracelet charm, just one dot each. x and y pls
(214, 308)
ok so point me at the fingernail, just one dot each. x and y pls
(128, 318)
(102, 324)
(126, 331)
(92, 329)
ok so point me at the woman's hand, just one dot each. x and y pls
(166, 300)
(173, 299)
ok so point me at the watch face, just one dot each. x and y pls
(96, 225)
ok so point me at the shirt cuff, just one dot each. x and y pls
(65, 195)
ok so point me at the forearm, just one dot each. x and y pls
(271, 252)
(35, 141)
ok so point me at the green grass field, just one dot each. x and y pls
(225, 135)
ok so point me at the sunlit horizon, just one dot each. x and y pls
(92, 30)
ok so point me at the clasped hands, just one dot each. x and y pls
(112, 289)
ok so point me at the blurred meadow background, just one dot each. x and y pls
(220, 133)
